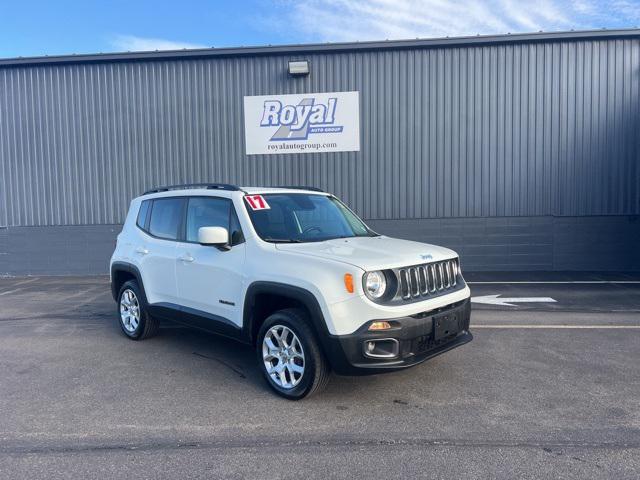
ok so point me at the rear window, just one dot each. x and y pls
(166, 217)
(142, 214)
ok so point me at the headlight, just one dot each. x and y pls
(375, 284)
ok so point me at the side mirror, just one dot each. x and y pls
(214, 236)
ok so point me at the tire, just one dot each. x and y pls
(315, 369)
(134, 318)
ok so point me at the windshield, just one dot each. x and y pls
(300, 217)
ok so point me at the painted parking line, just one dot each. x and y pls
(13, 285)
(10, 291)
(24, 282)
(562, 327)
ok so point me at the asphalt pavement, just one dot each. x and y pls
(545, 390)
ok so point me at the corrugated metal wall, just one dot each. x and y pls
(4, 169)
(485, 131)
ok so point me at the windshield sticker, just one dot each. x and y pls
(257, 202)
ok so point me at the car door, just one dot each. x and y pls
(210, 279)
(157, 250)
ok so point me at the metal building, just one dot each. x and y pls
(522, 152)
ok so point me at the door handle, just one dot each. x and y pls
(142, 250)
(186, 258)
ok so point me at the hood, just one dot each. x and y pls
(371, 253)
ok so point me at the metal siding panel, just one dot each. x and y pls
(4, 154)
(633, 177)
(454, 138)
(462, 140)
(507, 134)
(492, 94)
(600, 190)
(484, 137)
(442, 122)
(500, 133)
(540, 191)
(445, 184)
(400, 131)
(495, 130)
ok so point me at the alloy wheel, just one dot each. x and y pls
(129, 310)
(283, 356)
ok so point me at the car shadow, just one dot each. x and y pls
(238, 363)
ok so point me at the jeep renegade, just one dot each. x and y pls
(291, 271)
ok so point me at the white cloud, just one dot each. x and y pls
(586, 7)
(628, 8)
(348, 20)
(131, 43)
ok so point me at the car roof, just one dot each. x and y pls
(207, 192)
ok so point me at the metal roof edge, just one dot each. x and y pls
(447, 42)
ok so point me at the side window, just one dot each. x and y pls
(206, 212)
(142, 214)
(166, 216)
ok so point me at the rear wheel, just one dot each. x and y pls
(135, 321)
(289, 355)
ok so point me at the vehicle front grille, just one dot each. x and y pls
(429, 279)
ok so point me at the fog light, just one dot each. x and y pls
(380, 326)
(381, 348)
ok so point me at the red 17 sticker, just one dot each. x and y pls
(257, 202)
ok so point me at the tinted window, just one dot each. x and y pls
(142, 214)
(206, 212)
(165, 218)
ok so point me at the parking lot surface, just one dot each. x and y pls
(547, 389)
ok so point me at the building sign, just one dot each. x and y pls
(305, 123)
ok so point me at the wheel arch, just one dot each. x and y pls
(279, 292)
(122, 272)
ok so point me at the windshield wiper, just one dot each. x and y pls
(282, 240)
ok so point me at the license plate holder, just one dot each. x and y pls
(445, 326)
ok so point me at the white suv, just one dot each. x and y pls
(291, 271)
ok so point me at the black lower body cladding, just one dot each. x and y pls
(411, 341)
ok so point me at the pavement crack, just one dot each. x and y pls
(234, 369)
(234, 444)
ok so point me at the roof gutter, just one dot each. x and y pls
(479, 40)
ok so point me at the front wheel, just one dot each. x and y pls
(135, 321)
(289, 355)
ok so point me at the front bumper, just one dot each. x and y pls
(419, 338)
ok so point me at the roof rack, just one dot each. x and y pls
(208, 186)
(301, 187)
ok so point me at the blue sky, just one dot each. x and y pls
(33, 28)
